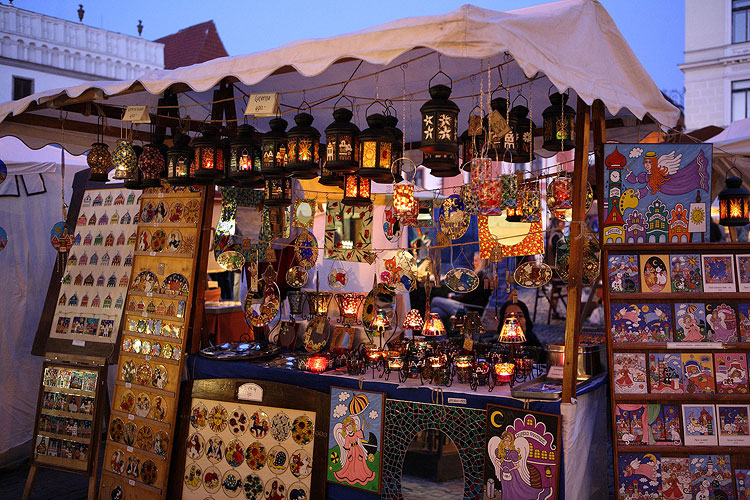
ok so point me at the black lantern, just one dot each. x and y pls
(397, 151)
(559, 124)
(136, 179)
(274, 146)
(356, 191)
(514, 214)
(330, 178)
(375, 149)
(225, 179)
(521, 149)
(303, 141)
(244, 156)
(278, 191)
(208, 163)
(439, 121)
(442, 164)
(733, 202)
(179, 159)
(342, 142)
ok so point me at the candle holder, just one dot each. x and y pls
(394, 362)
(349, 304)
(317, 364)
(437, 370)
(355, 363)
(319, 302)
(503, 373)
(296, 303)
(480, 375)
(464, 366)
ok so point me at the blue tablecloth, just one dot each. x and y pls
(204, 368)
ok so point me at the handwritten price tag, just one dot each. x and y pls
(263, 104)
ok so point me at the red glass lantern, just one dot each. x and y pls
(349, 304)
(733, 203)
(209, 156)
(433, 326)
(179, 159)
(376, 148)
(504, 372)
(403, 198)
(151, 164)
(356, 191)
(245, 156)
(317, 364)
(413, 320)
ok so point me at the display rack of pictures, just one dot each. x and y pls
(254, 440)
(157, 314)
(91, 299)
(66, 430)
(679, 322)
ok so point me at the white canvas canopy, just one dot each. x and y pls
(572, 44)
(731, 148)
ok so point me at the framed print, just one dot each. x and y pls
(699, 425)
(718, 273)
(743, 272)
(655, 274)
(734, 425)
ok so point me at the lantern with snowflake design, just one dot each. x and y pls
(439, 122)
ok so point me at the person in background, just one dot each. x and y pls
(524, 319)
(476, 300)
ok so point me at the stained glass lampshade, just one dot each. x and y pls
(349, 306)
(413, 320)
(511, 332)
(380, 322)
(319, 302)
(151, 163)
(356, 191)
(403, 197)
(124, 160)
(433, 326)
(99, 160)
(179, 158)
(733, 203)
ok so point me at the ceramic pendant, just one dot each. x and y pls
(461, 280)
(230, 260)
(532, 274)
(306, 249)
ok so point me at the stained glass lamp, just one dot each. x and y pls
(349, 304)
(433, 326)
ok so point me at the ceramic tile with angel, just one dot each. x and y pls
(722, 322)
(355, 438)
(626, 322)
(639, 476)
(690, 323)
(623, 273)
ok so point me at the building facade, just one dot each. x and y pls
(39, 52)
(717, 62)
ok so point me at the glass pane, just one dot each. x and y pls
(739, 26)
(738, 4)
(738, 105)
(741, 85)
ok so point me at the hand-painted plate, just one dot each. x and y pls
(161, 211)
(306, 249)
(316, 334)
(158, 240)
(147, 212)
(461, 280)
(146, 281)
(262, 314)
(175, 284)
(297, 276)
(453, 217)
(302, 430)
(175, 214)
(192, 210)
(230, 260)
(278, 459)
(532, 274)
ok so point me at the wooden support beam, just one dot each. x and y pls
(575, 266)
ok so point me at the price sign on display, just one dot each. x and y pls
(263, 104)
(136, 114)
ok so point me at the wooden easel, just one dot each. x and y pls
(101, 413)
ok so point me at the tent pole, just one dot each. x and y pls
(575, 266)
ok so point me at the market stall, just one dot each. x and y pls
(313, 241)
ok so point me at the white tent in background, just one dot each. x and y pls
(731, 148)
(30, 203)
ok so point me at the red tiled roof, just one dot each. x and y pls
(193, 45)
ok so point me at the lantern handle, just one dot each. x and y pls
(549, 91)
(733, 167)
(302, 105)
(429, 84)
(344, 96)
(389, 106)
(376, 101)
(516, 98)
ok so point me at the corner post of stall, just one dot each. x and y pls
(575, 266)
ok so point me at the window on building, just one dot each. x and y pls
(740, 100)
(740, 21)
(22, 87)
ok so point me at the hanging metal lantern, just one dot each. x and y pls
(376, 146)
(733, 202)
(397, 150)
(342, 142)
(560, 197)
(135, 182)
(530, 202)
(439, 120)
(151, 164)
(224, 179)
(330, 178)
(514, 214)
(124, 160)
(356, 191)
(442, 164)
(303, 142)
(99, 161)
(497, 129)
(245, 156)
(275, 152)
(278, 191)
(209, 156)
(559, 124)
(179, 159)
(521, 150)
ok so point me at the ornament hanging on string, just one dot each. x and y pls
(3, 171)
(61, 235)
(3, 238)
(337, 277)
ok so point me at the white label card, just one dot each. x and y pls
(694, 345)
(250, 392)
(79, 343)
(263, 104)
(555, 372)
(456, 401)
(136, 114)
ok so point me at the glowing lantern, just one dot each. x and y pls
(349, 304)
(317, 364)
(403, 198)
(413, 320)
(209, 156)
(319, 302)
(560, 197)
(733, 203)
(245, 156)
(135, 182)
(278, 191)
(179, 159)
(376, 147)
(559, 124)
(99, 161)
(342, 142)
(511, 332)
(124, 160)
(397, 151)
(439, 121)
(356, 191)
(274, 146)
(151, 164)
(464, 366)
(433, 326)
(504, 372)
(303, 142)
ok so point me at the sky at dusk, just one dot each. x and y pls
(654, 29)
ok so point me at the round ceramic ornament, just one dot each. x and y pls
(297, 276)
(453, 217)
(337, 277)
(3, 171)
(3, 238)
(230, 260)
(532, 274)
(263, 313)
(461, 280)
(61, 237)
(391, 223)
(306, 249)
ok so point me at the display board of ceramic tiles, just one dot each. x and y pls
(95, 282)
(141, 428)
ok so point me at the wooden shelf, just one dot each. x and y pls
(156, 295)
(148, 315)
(681, 297)
(155, 390)
(149, 357)
(683, 450)
(683, 398)
(75, 439)
(173, 255)
(130, 480)
(152, 336)
(133, 449)
(166, 225)
(662, 346)
(675, 248)
(125, 416)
